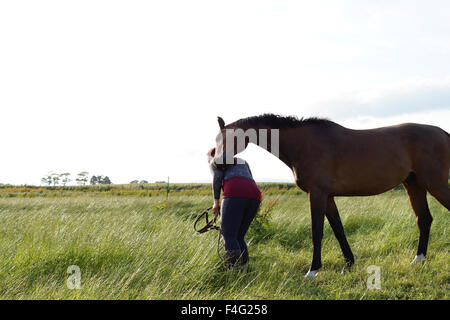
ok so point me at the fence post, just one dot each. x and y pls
(168, 189)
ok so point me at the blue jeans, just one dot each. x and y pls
(237, 215)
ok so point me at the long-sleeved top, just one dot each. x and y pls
(236, 181)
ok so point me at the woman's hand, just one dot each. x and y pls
(216, 207)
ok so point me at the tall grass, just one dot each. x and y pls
(145, 248)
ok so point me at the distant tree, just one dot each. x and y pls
(100, 179)
(94, 180)
(138, 181)
(106, 180)
(55, 178)
(65, 178)
(47, 179)
(82, 178)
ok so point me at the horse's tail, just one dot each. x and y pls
(448, 136)
(448, 140)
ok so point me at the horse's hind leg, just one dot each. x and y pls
(434, 177)
(418, 198)
(442, 194)
(332, 215)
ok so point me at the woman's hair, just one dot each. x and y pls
(211, 152)
(210, 156)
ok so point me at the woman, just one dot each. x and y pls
(241, 200)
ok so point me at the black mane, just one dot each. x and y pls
(278, 121)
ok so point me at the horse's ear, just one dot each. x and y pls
(221, 122)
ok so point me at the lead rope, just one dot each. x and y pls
(210, 225)
(219, 237)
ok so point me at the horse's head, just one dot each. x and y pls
(230, 141)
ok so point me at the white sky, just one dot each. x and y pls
(131, 89)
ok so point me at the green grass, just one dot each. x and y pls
(145, 248)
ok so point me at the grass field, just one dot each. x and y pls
(144, 247)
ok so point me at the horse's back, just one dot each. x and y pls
(427, 148)
(416, 139)
(375, 160)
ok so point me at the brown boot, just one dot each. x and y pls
(243, 260)
(232, 258)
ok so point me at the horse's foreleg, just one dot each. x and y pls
(336, 225)
(418, 198)
(318, 204)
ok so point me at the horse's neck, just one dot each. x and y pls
(284, 141)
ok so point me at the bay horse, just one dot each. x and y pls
(329, 160)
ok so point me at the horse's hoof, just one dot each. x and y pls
(418, 258)
(345, 269)
(311, 274)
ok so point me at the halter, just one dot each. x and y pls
(210, 224)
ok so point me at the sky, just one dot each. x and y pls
(132, 89)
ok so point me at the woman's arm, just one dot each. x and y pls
(216, 186)
(216, 206)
